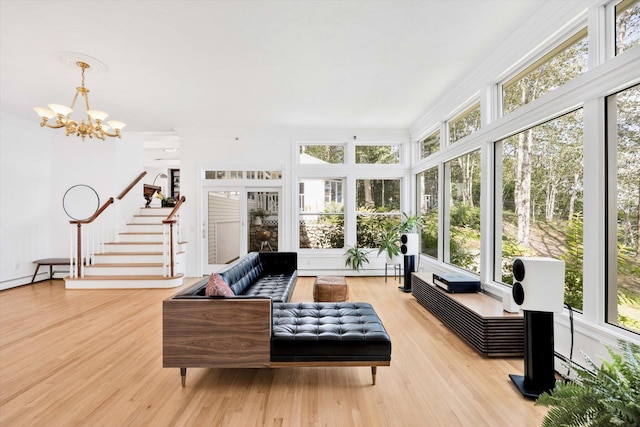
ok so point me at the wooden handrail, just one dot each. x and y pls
(133, 183)
(169, 218)
(95, 215)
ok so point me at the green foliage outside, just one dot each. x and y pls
(603, 396)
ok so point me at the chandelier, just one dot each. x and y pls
(94, 127)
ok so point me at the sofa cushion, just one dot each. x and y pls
(305, 332)
(218, 287)
(242, 273)
(278, 287)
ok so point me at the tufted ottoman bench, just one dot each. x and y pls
(329, 334)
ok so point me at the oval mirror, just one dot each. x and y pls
(80, 202)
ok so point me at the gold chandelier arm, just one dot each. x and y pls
(113, 135)
(57, 125)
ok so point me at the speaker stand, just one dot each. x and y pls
(539, 371)
(409, 267)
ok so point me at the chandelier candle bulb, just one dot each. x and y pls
(61, 114)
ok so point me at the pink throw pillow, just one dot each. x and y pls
(218, 287)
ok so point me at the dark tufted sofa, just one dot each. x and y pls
(257, 274)
(254, 330)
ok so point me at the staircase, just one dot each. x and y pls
(136, 259)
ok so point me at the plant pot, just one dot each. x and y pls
(395, 260)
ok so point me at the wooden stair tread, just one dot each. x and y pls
(147, 277)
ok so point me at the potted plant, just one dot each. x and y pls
(409, 229)
(258, 215)
(356, 257)
(598, 396)
(410, 223)
(389, 243)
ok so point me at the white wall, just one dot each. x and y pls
(25, 198)
(38, 167)
(212, 148)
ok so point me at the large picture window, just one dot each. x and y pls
(539, 174)
(556, 68)
(377, 209)
(462, 247)
(623, 110)
(321, 213)
(427, 186)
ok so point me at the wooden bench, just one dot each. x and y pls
(51, 262)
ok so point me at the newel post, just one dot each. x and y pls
(79, 251)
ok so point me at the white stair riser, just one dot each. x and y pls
(140, 237)
(148, 219)
(119, 259)
(122, 271)
(154, 211)
(123, 247)
(145, 228)
(144, 247)
(122, 284)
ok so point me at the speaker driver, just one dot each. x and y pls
(518, 293)
(404, 239)
(518, 270)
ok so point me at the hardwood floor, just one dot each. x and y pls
(94, 357)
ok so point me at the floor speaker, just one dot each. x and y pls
(539, 368)
(409, 267)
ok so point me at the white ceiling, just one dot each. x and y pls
(320, 64)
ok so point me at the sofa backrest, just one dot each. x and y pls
(242, 273)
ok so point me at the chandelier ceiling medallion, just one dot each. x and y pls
(94, 127)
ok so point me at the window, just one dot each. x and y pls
(463, 212)
(627, 25)
(553, 70)
(378, 154)
(377, 209)
(321, 213)
(318, 154)
(623, 284)
(430, 144)
(427, 187)
(231, 174)
(539, 212)
(465, 124)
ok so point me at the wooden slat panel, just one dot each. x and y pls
(477, 318)
(222, 333)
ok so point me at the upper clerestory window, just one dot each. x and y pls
(627, 25)
(320, 153)
(464, 124)
(554, 69)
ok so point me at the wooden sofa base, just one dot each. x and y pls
(373, 364)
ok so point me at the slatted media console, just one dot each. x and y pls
(476, 317)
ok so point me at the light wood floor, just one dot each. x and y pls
(94, 358)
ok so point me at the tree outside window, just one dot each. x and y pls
(541, 194)
(623, 284)
(462, 236)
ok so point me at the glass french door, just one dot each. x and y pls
(237, 221)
